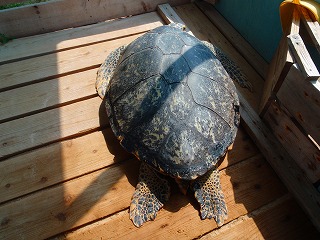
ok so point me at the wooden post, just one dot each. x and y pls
(291, 50)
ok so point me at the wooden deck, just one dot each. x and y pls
(63, 174)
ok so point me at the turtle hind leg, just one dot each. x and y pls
(106, 70)
(208, 192)
(151, 193)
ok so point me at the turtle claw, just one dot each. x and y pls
(208, 192)
(150, 194)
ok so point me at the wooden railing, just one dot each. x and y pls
(290, 105)
(56, 15)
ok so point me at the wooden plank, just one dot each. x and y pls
(302, 98)
(170, 16)
(280, 65)
(49, 126)
(278, 70)
(237, 41)
(242, 149)
(303, 58)
(295, 24)
(281, 219)
(29, 172)
(70, 38)
(57, 64)
(286, 168)
(312, 27)
(68, 205)
(44, 95)
(180, 217)
(203, 29)
(300, 148)
(56, 15)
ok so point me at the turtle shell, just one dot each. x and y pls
(172, 104)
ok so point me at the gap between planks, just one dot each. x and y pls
(28, 172)
(34, 46)
(51, 126)
(57, 64)
(106, 191)
(57, 92)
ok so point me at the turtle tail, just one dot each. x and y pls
(106, 70)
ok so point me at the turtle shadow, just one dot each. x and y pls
(112, 143)
(114, 147)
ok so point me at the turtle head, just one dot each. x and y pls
(178, 25)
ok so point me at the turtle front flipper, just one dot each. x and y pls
(106, 70)
(208, 192)
(151, 193)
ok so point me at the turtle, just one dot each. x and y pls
(171, 102)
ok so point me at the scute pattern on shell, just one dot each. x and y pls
(172, 103)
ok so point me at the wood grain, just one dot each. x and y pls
(56, 64)
(58, 162)
(303, 58)
(313, 28)
(68, 159)
(56, 15)
(170, 16)
(286, 168)
(71, 38)
(52, 93)
(180, 217)
(49, 126)
(298, 145)
(277, 220)
(278, 70)
(302, 99)
(68, 205)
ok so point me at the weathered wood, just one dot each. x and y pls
(295, 24)
(52, 93)
(278, 70)
(68, 205)
(303, 58)
(276, 220)
(49, 126)
(312, 27)
(286, 168)
(86, 195)
(58, 162)
(302, 99)
(170, 16)
(280, 65)
(180, 219)
(76, 37)
(300, 148)
(57, 64)
(203, 29)
(237, 41)
(56, 15)
(29, 172)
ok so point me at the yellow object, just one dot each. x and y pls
(287, 6)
